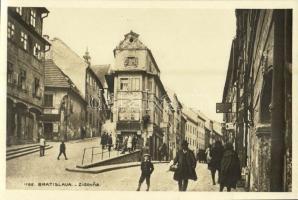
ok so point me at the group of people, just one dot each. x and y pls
(129, 144)
(222, 159)
(225, 161)
(106, 141)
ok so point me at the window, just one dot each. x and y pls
(48, 100)
(87, 78)
(10, 73)
(36, 51)
(24, 40)
(19, 10)
(10, 30)
(135, 84)
(150, 85)
(265, 103)
(22, 79)
(36, 88)
(131, 61)
(124, 84)
(32, 17)
(150, 67)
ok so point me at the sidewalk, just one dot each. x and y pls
(101, 169)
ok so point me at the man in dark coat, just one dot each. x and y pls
(110, 142)
(216, 155)
(186, 161)
(230, 169)
(62, 150)
(103, 140)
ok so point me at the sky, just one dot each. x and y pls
(190, 46)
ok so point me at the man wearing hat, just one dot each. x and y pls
(147, 169)
(186, 165)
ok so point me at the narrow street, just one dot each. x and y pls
(23, 171)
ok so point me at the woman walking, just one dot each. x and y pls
(129, 144)
(230, 171)
(214, 165)
(186, 166)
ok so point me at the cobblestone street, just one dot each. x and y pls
(23, 171)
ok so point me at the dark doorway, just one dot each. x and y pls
(48, 131)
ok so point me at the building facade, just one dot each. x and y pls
(259, 84)
(25, 74)
(64, 115)
(178, 122)
(201, 132)
(96, 103)
(138, 93)
(167, 125)
(191, 129)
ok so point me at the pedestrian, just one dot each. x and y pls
(62, 151)
(186, 164)
(102, 140)
(110, 142)
(42, 144)
(147, 168)
(214, 165)
(134, 142)
(117, 143)
(207, 153)
(230, 171)
(163, 152)
(129, 144)
(124, 147)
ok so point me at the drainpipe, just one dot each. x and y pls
(277, 103)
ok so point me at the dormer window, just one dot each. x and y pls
(19, 10)
(131, 61)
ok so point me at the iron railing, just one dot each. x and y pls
(94, 155)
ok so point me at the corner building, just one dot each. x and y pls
(134, 82)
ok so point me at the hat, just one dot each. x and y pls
(146, 154)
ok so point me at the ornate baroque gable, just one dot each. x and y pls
(131, 41)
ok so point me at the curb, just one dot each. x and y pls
(110, 168)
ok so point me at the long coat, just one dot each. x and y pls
(230, 171)
(216, 154)
(186, 166)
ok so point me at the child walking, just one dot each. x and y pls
(147, 169)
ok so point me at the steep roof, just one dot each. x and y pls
(101, 71)
(54, 77)
(131, 41)
(173, 96)
(69, 62)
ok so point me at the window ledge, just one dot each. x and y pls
(263, 129)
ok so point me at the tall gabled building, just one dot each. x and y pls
(138, 93)
(25, 73)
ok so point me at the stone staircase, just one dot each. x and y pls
(18, 151)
